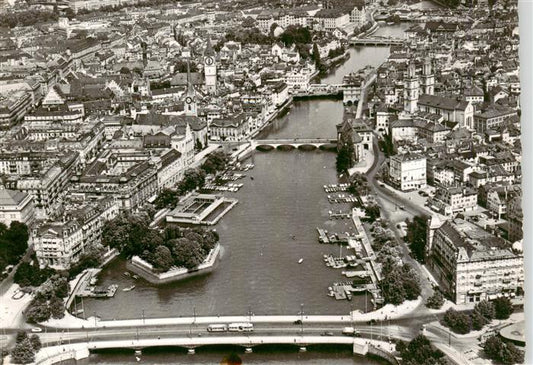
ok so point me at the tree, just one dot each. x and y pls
(345, 157)
(316, 55)
(458, 322)
(167, 198)
(478, 321)
(502, 308)
(162, 258)
(372, 211)
(435, 301)
(61, 287)
(216, 161)
(398, 283)
(27, 275)
(36, 342)
(57, 308)
(485, 309)
(23, 352)
(38, 311)
(192, 179)
(416, 235)
(186, 253)
(128, 234)
(506, 353)
(420, 352)
(21, 336)
(295, 34)
(124, 70)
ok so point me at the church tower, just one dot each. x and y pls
(428, 79)
(210, 69)
(190, 96)
(410, 94)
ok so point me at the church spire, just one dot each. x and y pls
(209, 51)
(190, 89)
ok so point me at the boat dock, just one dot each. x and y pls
(227, 187)
(98, 291)
(322, 235)
(341, 198)
(339, 215)
(334, 188)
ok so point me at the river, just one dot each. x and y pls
(262, 238)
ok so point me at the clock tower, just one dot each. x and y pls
(210, 69)
(190, 96)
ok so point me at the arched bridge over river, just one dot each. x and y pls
(293, 143)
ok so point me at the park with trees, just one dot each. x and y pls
(173, 246)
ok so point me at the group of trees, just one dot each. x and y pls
(384, 243)
(416, 236)
(387, 145)
(336, 52)
(182, 248)
(28, 274)
(296, 35)
(484, 312)
(26, 18)
(345, 156)
(420, 352)
(248, 36)
(13, 243)
(504, 352)
(49, 300)
(25, 348)
(132, 236)
(398, 283)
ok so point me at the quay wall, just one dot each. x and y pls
(144, 269)
(382, 354)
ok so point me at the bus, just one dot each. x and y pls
(217, 328)
(241, 327)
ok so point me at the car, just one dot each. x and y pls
(298, 321)
(382, 185)
(372, 321)
(36, 329)
(402, 207)
(328, 333)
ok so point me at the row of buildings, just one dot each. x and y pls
(448, 101)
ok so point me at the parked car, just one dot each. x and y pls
(36, 329)
(327, 333)
(298, 321)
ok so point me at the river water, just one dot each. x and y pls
(262, 238)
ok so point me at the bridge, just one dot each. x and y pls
(376, 41)
(320, 90)
(292, 143)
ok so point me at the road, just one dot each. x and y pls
(377, 331)
(389, 202)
